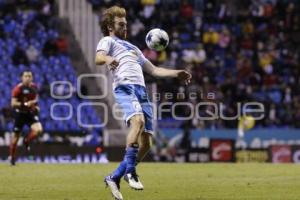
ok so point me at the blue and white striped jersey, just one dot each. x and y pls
(130, 59)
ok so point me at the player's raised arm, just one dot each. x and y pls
(102, 58)
(15, 102)
(161, 72)
(14, 98)
(33, 102)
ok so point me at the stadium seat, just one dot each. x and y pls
(46, 70)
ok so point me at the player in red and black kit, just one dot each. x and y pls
(24, 103)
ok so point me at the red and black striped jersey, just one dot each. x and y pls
(24, 93)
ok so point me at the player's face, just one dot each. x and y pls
(27, 78)
(120, 27)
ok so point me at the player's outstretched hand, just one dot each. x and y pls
(30, 103)
(112, 63)
(184, 76)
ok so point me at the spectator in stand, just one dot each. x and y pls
(50, 48)
(45, 13)
(61, 44)
(186, 10)
(211, 36)
(224, 38)
(151, 55)
(256, 42)
(19, 57)
(32, 54)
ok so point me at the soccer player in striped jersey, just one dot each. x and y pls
(24, 103)
(127, 64)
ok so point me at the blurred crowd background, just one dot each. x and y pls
(241, 51)
(31, 39)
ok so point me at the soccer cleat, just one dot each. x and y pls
(133, 180)
(114, 187)
(27, 146)
(12, 161)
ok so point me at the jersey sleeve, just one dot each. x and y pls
(15, 92)
(142, 58)
(105, 44)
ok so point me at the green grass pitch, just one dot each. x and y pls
(161, 181)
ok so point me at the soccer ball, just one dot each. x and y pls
(157, 39)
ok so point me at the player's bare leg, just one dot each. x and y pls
(13, 148)
(137, 124)
(145, 143)
(35, 130)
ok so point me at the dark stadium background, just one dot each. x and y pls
(241, 51)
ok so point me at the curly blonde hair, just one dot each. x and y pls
(107, 19)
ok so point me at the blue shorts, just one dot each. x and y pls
(134, 100)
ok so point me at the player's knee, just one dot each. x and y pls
(37, 130)
(40, 130)
(138, 121)
(16, 135)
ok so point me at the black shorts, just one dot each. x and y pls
(24, 118)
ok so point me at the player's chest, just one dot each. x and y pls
(28, 92)
(125, 48)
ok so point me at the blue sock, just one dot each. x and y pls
(130, 157)
(120, 171)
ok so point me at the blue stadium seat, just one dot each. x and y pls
(46, 70)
